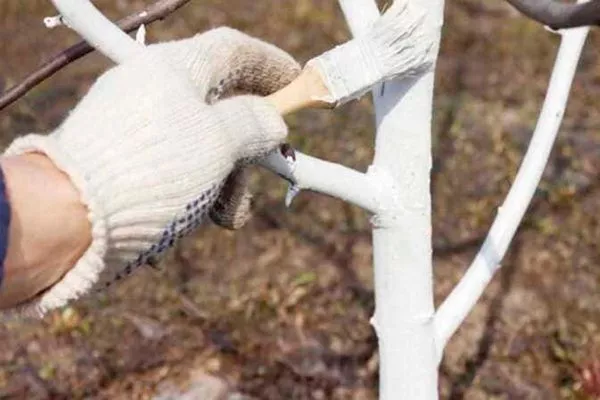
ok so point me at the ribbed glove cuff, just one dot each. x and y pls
(86, 271)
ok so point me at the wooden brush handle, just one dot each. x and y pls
(306, 91)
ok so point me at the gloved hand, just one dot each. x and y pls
(240, 65)
(149, 148)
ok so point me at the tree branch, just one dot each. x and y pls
(100, 32)
(156, 11)
(305, 172)
(558, 15)
(463, 297)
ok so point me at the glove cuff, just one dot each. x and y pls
(86, 270)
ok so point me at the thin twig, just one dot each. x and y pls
(559, 15)
(156, 11)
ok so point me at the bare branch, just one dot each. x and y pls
(156, 11)
(559, 15)
(311, 173)
(463, 297)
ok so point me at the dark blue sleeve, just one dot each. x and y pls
(4, 223)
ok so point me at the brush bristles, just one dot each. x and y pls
(399, 44)
(402, 41)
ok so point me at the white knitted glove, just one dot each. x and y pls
(240, 65)
(149, 155)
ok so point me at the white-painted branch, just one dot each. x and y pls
(96, 29)
(404, 312)
(306, 172)
(464, 296)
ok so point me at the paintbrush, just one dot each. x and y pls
(398, 44)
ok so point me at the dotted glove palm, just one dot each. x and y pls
(150, 149)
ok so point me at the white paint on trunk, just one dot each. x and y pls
(402, 228)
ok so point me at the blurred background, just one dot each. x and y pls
(280, 309)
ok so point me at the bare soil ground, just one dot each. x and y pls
(280, 309)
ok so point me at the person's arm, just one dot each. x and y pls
(48, 231)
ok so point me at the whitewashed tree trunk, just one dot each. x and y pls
(404, 308)
(402, 258)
